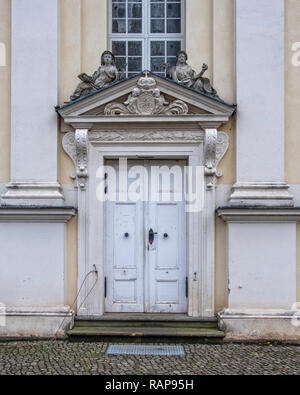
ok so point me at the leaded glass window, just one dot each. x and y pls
(146, 34)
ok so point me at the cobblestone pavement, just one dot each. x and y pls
(62, 357)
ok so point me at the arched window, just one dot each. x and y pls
(146, 34)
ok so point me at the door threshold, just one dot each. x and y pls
(146, 317)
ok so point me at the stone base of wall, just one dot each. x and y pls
(33, 322)
(261, 325)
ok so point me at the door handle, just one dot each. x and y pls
(151, 236)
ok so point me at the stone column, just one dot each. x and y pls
(34, 93)
(260, 100)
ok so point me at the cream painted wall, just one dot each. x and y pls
(71, 262)
(221, 285)
(292, 96)
(94, 33)
(5, 33)
(199, 16)
(214, 28)
(223, 49)
(70, 47)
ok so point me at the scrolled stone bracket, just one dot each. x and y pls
(76, 146)
(215, 147)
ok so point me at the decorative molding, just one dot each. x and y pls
(45, 311)
(144, 136)
(36, 214)
(81, 138)
(263, 215)
(215, 147)
(146, 99)
(39, 191)
(267, 194)
(191, 120)
(266, 314)
(76, 146)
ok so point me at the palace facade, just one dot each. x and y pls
(207, 85)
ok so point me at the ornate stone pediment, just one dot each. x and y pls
(145, 95)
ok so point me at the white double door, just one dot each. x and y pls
(145, 268)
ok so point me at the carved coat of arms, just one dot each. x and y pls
(146, 99)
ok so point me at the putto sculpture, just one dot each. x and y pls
(106, 74)
(184, 74)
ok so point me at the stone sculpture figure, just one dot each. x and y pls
(105, 75)
(184, 74)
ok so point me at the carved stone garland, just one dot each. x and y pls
(146, 99)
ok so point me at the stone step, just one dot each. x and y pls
(138, 332)
(147, 324)
(145, 317)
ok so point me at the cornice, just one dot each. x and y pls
(259, 214)
(35, 214)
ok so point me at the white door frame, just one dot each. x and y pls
(200, 229)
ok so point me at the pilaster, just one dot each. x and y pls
(260, 102)
(34, 93)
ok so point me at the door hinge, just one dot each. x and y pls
(105, 287)
(187, 287)
(106, 187)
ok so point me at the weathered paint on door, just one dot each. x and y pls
(140, 276)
